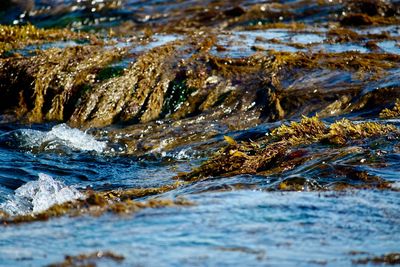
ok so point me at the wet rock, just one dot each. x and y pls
(11, 10)
(362, 19)
(235, 11)
(23, 4)
(178, 80)
(370, 12)
(166, 97)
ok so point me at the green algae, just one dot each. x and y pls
(109, 72)
(177, 93)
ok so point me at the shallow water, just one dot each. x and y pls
(249, 227)
(239, 220)
(231, 226)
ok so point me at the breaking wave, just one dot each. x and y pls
(59, 137)
(37, 196)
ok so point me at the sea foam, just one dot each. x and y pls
(37, 196)
(59, 136)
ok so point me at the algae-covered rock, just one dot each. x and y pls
(205, 81)
(17, 37)
(298, 184)
(47, 86)
(274, 154)
(137, 94)
(178, 80)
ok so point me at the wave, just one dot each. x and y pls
(37, 196)
(59, 137)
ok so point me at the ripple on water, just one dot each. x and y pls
(250, 228)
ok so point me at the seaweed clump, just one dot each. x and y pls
(275, 152)
(48, 86)
(386, 259)
(17, 37)
(391, 113)
(340, 132)
(89, 259)
(97, 203)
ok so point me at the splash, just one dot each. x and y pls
(37, 196)
(59, 137)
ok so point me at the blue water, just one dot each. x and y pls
(246, 227)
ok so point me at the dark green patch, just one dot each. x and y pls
(177, 93)
(110, 72)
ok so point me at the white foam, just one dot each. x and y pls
(396, 185)
(183, 154)
(60, 135)
(75, 138)
(37, 196)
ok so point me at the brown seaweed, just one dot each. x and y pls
(88, 259)
(271, 153)
(17, 37)
(96, 203)
(387, 259)
(391, 113)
